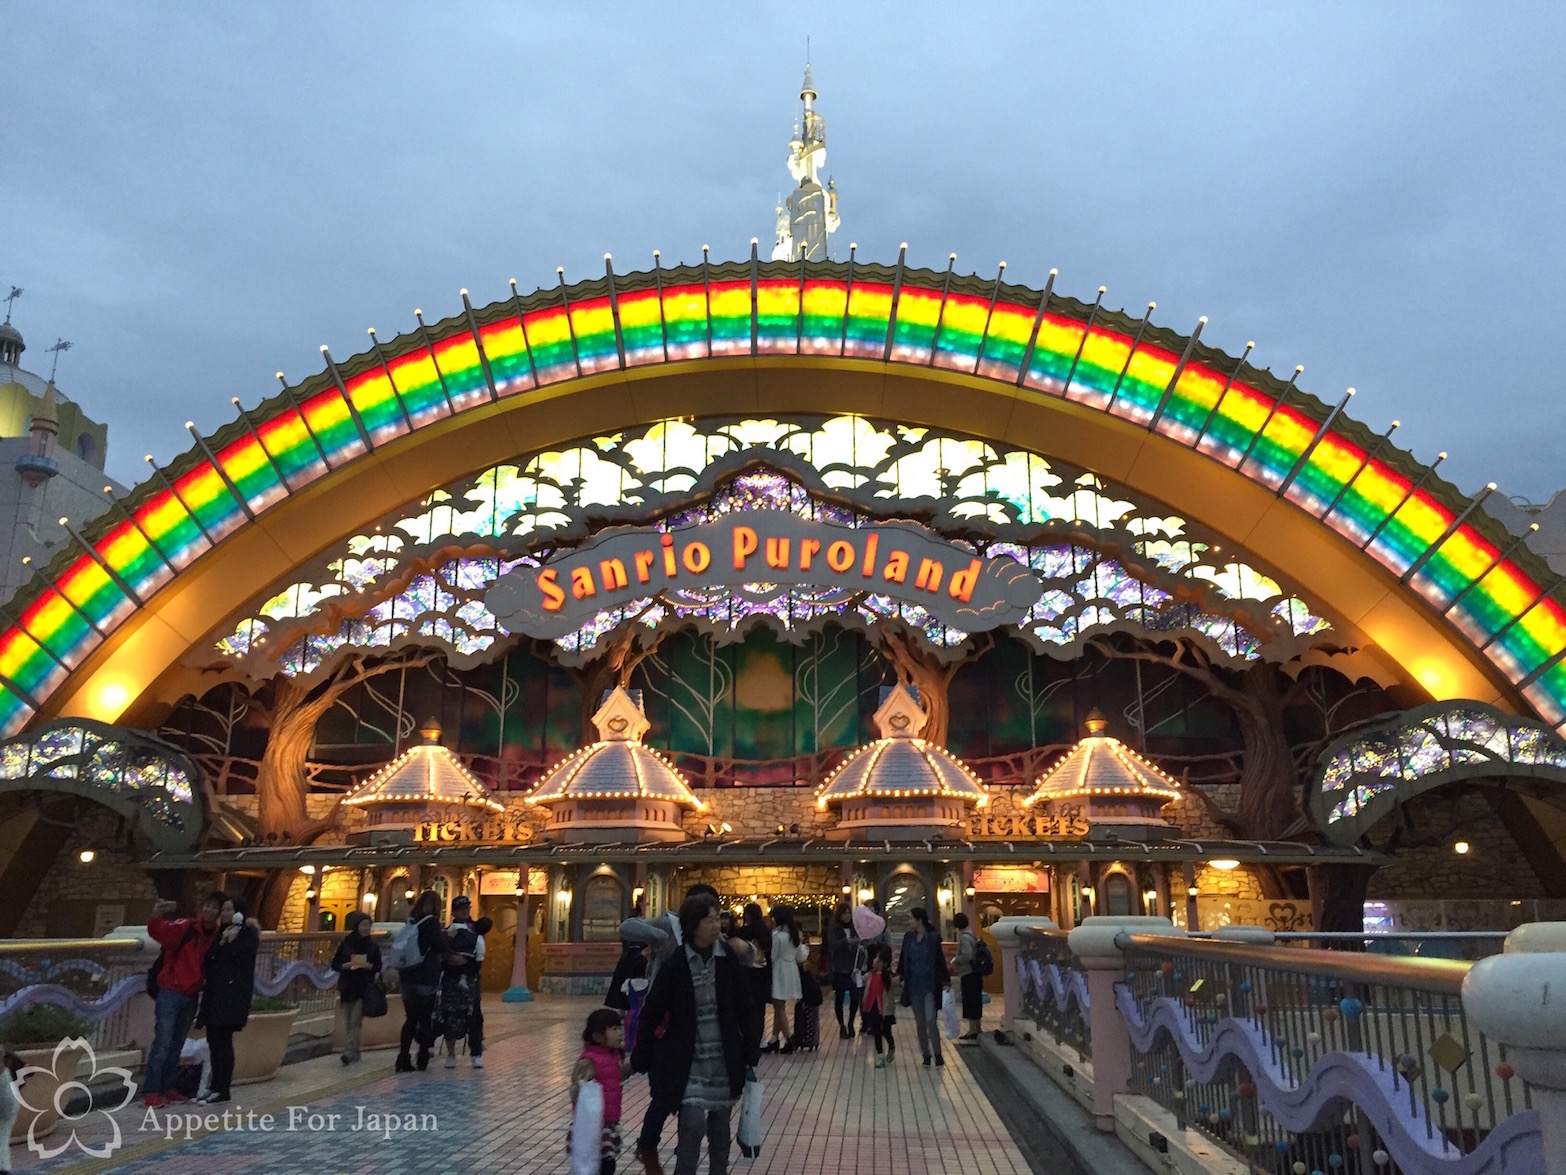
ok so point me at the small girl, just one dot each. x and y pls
(879, 1005)
(604, 1061)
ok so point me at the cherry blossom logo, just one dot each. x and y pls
(65, 1077)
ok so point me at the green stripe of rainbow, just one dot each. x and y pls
(554, 336)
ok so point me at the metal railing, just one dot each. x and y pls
(1054, 989)
(90, 978)
(1341, 1062)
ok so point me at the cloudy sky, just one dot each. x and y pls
(200, 195)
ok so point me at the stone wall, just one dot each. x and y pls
(86, 899)
(1493, 867)
(766, 882)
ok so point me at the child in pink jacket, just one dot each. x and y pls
(603, 1060)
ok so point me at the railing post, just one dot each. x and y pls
(1508, 997)
(1094, 943)
(1005, 932)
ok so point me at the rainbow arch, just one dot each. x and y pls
(1463, 565)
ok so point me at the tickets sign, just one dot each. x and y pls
(904, 560)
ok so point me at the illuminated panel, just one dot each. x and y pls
(1242, 427)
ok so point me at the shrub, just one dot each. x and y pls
(42, 1024)
(272, 1003)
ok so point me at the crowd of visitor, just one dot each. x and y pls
(687, 1006)
(689, 999)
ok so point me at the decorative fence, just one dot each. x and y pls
(1295, 1061)
(93, 979)
(103, 982)
(1054, 991)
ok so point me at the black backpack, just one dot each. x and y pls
(983, 960)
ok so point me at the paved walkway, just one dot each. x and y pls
(831, 1113)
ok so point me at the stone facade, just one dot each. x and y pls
(85, 899)
(1493, 867)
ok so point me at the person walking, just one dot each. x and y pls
(658, 937)
(970, 983)
(603, 1060)
(694, 1041)
(357, 963)
(225, 1000)
(417, 957)
(880, 1004)
(178, 977)
(454, 1005)
(788, 953)
(922, 968)
(843, 949)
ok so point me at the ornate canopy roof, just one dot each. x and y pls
(900, 763)
(425, 774)
(1101, 765)
(617, 766)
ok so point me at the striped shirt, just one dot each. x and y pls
(708, 1086)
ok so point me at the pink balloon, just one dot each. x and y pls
(867, 923)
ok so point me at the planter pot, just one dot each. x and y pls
(383, 1032)
(259, 1049)
(40, 1090)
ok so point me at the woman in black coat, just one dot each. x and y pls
(226, 995)
(666, 1032)
(358, 964)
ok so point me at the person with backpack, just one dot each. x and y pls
(358, 966)
(461, 909)
(417, 955)
(970, 975)
(458, 988)
(225, 1000)
(175, 983)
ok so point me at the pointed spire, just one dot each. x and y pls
(809, 216)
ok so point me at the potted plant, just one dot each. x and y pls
(259, 1047)
(33, 1034)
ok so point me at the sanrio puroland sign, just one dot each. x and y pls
(903, 560)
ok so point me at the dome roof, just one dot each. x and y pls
(900, 763)
(425, 774)
(1101, 765)
(617, 766)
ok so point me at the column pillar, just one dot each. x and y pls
(1508, 998)
(1094, 943)
(1189, 869)
(1012, 946)
(518, 992)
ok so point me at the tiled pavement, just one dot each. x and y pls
(830, 1113)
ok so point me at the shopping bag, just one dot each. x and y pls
(750, 1120)
(949, 1024)
(587, 1128)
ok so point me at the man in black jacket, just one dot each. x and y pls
(696, 1040)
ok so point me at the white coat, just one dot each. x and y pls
(786, 958)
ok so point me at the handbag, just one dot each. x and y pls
(374, 999)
